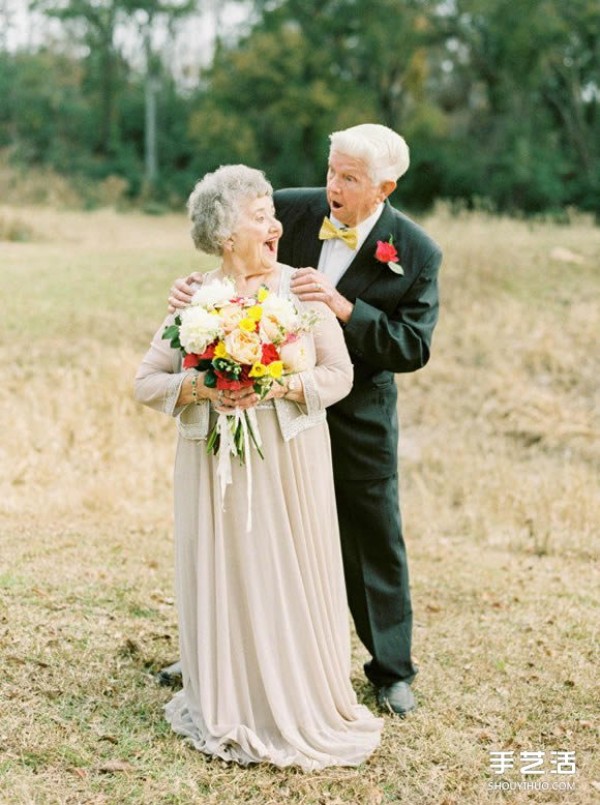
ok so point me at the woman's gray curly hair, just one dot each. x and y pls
(215, 203)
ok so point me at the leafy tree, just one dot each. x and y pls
(266, 102)
(496, 99)
(95, 24)
(306, 68)
(533, 77)
(44, 116)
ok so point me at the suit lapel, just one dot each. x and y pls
(307, 244)
(363, 269)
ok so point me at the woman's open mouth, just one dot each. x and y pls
(272, 245)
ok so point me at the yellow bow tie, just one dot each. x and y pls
(328, 230)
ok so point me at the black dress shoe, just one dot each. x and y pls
(170, 676)
(396, 698)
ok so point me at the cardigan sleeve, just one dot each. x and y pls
(331, 378)
(158, 379)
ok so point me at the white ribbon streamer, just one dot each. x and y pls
(226, 448)
(227, 425)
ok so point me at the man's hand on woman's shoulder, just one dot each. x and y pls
(183, 289)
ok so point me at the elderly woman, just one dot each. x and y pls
(264, 635)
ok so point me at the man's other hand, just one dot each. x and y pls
(182, 290)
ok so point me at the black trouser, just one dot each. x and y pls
(376, 570)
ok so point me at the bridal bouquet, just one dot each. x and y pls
(239, 342)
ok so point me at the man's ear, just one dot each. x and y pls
(387, 188)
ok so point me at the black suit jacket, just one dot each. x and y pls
(390, 329)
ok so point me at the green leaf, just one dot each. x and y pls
(171, 331)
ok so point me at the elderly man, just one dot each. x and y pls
(377, 271)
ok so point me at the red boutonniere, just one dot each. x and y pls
(386, 253)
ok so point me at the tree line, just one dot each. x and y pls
(499, 101)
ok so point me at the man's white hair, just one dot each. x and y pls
(384, 152)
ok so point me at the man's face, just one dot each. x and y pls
(351, 194)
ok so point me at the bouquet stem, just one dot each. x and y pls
(232, 435)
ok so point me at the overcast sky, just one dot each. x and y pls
(22, 28)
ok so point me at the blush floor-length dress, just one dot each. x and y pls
(263, 621)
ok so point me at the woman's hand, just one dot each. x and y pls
(290, 388)
(182, 290)
(276, 392)
(225, 401)
(229, 399)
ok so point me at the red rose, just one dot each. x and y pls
(242, 382)
(269, 354)
(209, 352)
(232, 385)
(386, 252)
(190, 361)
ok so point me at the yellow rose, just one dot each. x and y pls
(220, 350)
(258, 370)
(262, 294)
(275, 369)
(254, 312)
(243, 346)
(248, 325)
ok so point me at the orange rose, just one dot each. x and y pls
(231, 315)
(243, 346)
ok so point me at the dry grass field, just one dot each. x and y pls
(500, 460)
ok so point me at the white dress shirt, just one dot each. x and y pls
(336, 255)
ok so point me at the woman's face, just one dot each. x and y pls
(256, 236)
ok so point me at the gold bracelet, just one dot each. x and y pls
(195, 390)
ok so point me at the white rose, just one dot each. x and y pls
(294, 356)
(214, 294)
(279, 318)
(270, 329)
(199, 328)
(282, 311)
